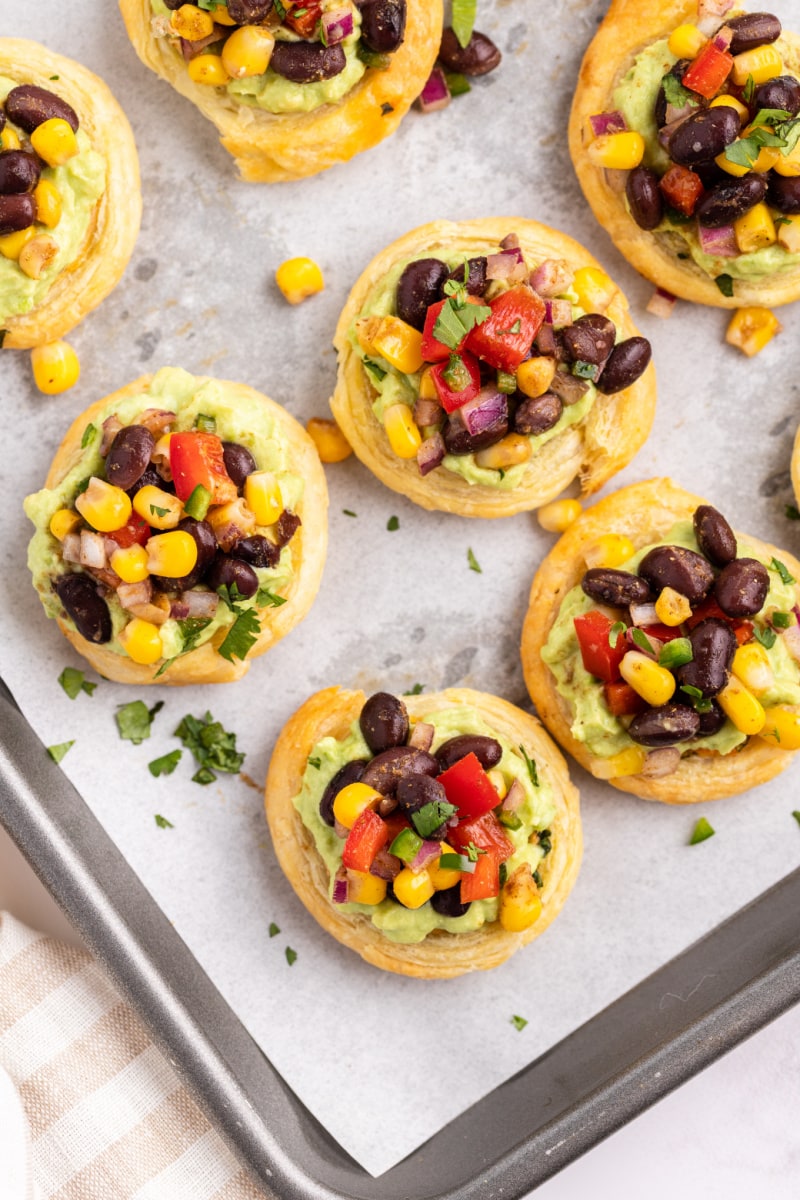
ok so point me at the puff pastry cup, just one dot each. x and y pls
(114, 224)
(646, 513)
(330, 714)
(593, 449)
(271, 147)
(630, 27)
(296, 567)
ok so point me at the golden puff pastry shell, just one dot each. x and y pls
(629, 27)
(270, 147)
(441, 955)
(644, 512)
(309, 545)
(111, 237)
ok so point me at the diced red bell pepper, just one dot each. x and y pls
(507, 334)
(467, 785)
(431, 349)
(364, 840)
(485, 832)
(682, 189)
(599, 657)
(662, 633)
(709, 70)
(134, 532)
(457, 380)
(484, 882)
(710, 608)
(622, 700)
(197, 458)
(308, 15)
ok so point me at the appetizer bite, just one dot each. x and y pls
(484, 365)
(433, 835)
(684, 135)
(182, 530)
(663, 651)
(292, 87)
(70, 202)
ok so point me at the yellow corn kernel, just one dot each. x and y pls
(248, 51)
(617, 151)
(731, 102)
(755, 229)
(9, 139)
(595, 290)
(427, 388)
(130, 563)
(223, 17)
(672, 608)
(752, 667)
(751, 329)
(444, 877)
(332, 445)
(767, 155)
(191, 22)
(103, 505)
(208, 70)
(172, 554)
(763, 63)
(510, 451)
(262, 495)
(782, 728)
(299, 278)
(63, 521)
(48, 203)
(55, 367)
(55, 141)
(363, 888)
(499, 784)
(627, 762)
(789, 233)
(37, 255)
(788, 164)
(400, 344)
(610, 550)
(741, 706)
(653, 683)
(401, 430)
(535, 375)
(141, 641)
(686, 41)
(352, 800)
(412, 888)
(366, 328)
(559, 515)
(160, 509)
(234, 517)
(12, 244)
(520, 902)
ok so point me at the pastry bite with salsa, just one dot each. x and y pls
(684, 134)
(292, 87)
(70, 201)
(485, 365)
(433, 835)
(181, 531)
(662, 649)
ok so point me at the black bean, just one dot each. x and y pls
(712, 720)
(568, 387)
(307, 62)
(677, 72)
(710, 174)
(239, 462)
(704, 135)
(384, 722)
(713, 647)
(644, 197)
(726, 202)
(244, 12)
(418, 287)
(129, 456)
(626, 362)
(388, 768)
(476, 282)
(742, 587)
(19, 171)
(478, 57)
(487, 750)
(17, 211)
(447, 903)
(684, 570)
(590, 339)
(29, 106)
(753, 29)
(351, 772)
(617, 588)
(259, 551)
(78, 593)
(549, 343)
(206, 544)
(383, 25)
(286, 527)
(714, 535)
(534, 416)
(458, 439)
(150, 478)
(782, 92)
(228, 571)
(414, 792)
(665, 726)
(784, 192)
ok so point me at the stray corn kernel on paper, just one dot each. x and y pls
(396, 607)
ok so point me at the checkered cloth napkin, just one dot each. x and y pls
(108, 1117)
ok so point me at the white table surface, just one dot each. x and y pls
(731, 1133)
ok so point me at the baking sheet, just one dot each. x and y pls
(395, 608)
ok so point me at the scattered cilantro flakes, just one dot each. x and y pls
(242, 636)
(267, 599)
(206, 423)
(348, 512)
(613, 634)
(545, 841)
(158, 511)
(316, 763)
(392, 524)
(457, 84)
(456, 319)
(58, 752)
(725, 284)
(213, 748)
(519, 1022)
(537, 879)
(73, 682)
(274, 929)
(463, 20)
(88, 434)
(701, 832)
(640, 639)
(767, 637)
(134, 720)
(792, 512)
(749, 89)
(162, 822)
(796, 815)
(291, 955)
(473, 852)
(55, 77)
(780, 569)
(676, 94)
(474, 565)
(376, 371)
(166, 764)
(781, 620)
(530, 763)
(204, 776)
(433, 814)
(415, 690)
(699, 701)
(386, 108)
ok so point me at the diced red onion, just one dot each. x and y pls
(431, 453)
(178, 610)
(551, 277)
(720, 243)
(675, 114)
(427, 412)
(133, 594)
(428, 852)
(791, 640)
(514, 797)
(157, 420)
(558, 313)
(666, 131)
(655, 644)
(340, 830)
(93, 549)
(510, 242)
(385, 865)
(436, 93)
(190, 50)
(723, 38)
(508, 265)
(485, 410)
(568, 388)
(709, 13)
(340, 888)
(422, 736)
(71, 548)
(337, 24)
(156, 614)
(608, 122)
(199, 604)
(661, 303)
(111, 427)
(644, 614)
(661, 762)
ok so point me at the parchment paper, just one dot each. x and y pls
(384, 1062)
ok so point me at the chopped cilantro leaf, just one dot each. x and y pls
(58, 752)
(701, 832)
(73, 682)
(214, 749)
(792, 512)
(641, 640)
(415, 690)
(316, 763)
(463, 19)
(586, 370)
(428, 818)
(159, 512)
(242, 636)
(545, 841)
(519, 1022)
(274, 929)
(392, 524)
(456, 320)
(348, 512)
(134, 720)
(767, 637)
(675, 93)
(699, 701)
(291, 956)
(377, 372)
(166, 764)
(530, 763)
(725, 284)
(267, 599)
(796, 815)
(88, 434)
(474, 565)
(780, 569)
(613, 634)
(162, 822)
(203, 776)
(749, 89)
(473, 852)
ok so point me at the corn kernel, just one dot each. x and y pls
(401, 430)
(510, 451)
(235, 518)
(763, 63)
(400, 344)
(63, 521)
(535, 375)
(653, 683)
(160, 509)
(782, 728)
(686, 41)
(444, 877)
(595, 290)
(47, 199)
(498, 781)
(741, 706)
(672, 608)
(363, 888)
(752, 667)
(610, 550)
(559, 515)
(191, 22)
(755, 229)
(366, 328)
(520, 902)
(248, 51)
(789, 234)
(262, 494)
(55, 367)
(412, 889)
(172, 554)
(299, 278)
(729, 101)
(427, 388)
(12, 244)
(37, 255)
(352, 800)
(141, 641)
(332, 445)
(626, 762)
(788, 164)
(55, 141)
(751, 329)
(9, 139)
(130, 563)
(208, 70)
(617, 151)
(103, 505)
(223, 17)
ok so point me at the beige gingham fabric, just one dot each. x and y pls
(109, 1118)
